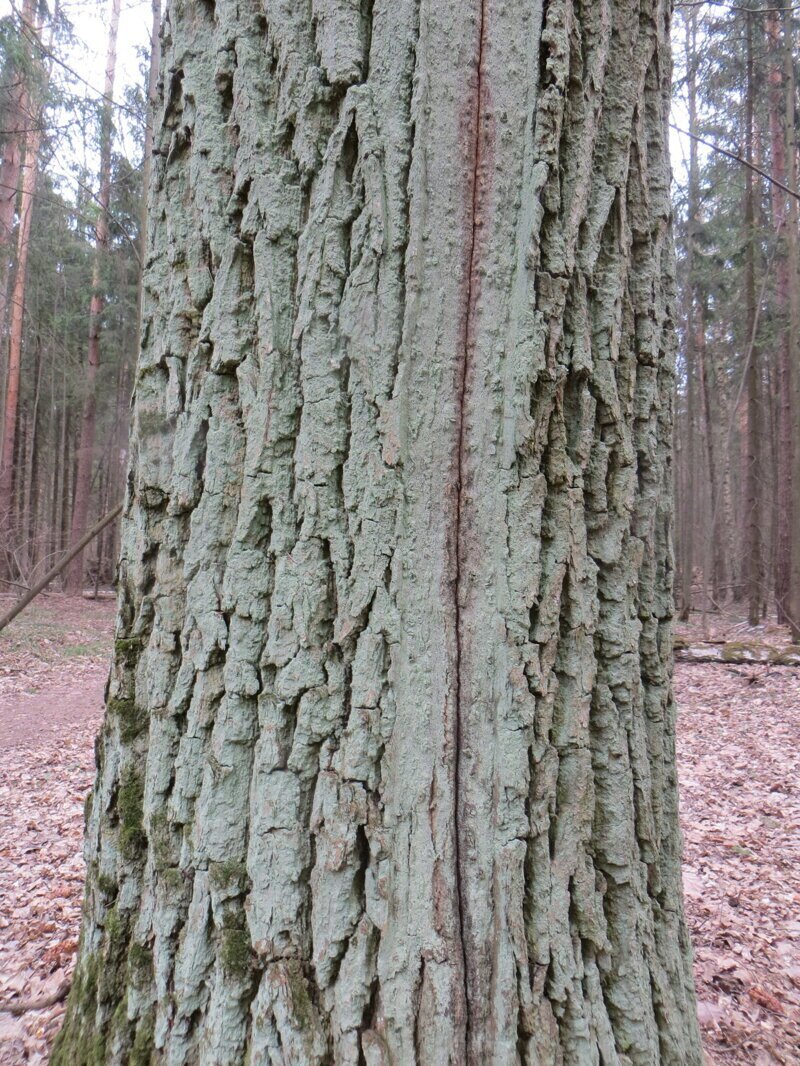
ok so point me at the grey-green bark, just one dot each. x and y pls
(388, 773)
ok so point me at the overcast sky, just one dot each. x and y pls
(89, 19)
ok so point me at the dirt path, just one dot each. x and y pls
(36, 718)
(739, 759)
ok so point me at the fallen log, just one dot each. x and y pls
(738, 653)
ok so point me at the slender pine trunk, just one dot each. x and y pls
(753, 466)
(793, 348)
(73, 577)
(17, 116)
(17, 322)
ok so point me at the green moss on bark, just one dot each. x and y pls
(143, 1043)
(79, 1043)
(132, 719)
(228, 876)
(140, 961)
(236, 950)
(130, 802)
(161, 835)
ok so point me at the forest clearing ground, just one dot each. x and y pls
(739, 759)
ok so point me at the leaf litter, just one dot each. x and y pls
(739, 767)
(739, 764)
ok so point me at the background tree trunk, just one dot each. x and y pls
(83, 477)
(17, 316)
(17, 119)
(387, 773)
(783, 495)
(753, 467)
(793, 354)
(693, 346)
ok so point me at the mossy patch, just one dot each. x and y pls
(130, 804)
(228, 876)
(302, 1006)
(161, 834)
(143, 1042)
(78, 1043)
(140, 964)
(236, 951)
(132, 719)
(107, 885)
(173, 879)
(128, 650)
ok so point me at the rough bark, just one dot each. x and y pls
(83, 476)
(387, 773)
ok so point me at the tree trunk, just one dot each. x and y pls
(783, 495)
(83, 478)
(17, 322)
(17, 119)
(388, 773)
(793, 353)
(686, 554)
(724, 423)
(153, 75)
(753, 473)
(27, 548)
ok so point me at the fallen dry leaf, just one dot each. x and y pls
(765, 999)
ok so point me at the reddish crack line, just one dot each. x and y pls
(461, 387)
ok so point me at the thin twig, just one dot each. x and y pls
(737, 159)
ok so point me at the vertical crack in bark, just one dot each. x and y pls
(461, 444)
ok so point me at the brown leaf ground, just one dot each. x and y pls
(739, 754)
(739, 758)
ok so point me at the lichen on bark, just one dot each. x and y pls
(388, 770)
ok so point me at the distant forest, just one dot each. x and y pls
(71, 224)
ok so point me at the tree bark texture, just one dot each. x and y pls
(387, 773)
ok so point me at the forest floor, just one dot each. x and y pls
(739, 761)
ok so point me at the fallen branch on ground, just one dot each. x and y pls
(22, 1006)
(40, 586)
(736, 652)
